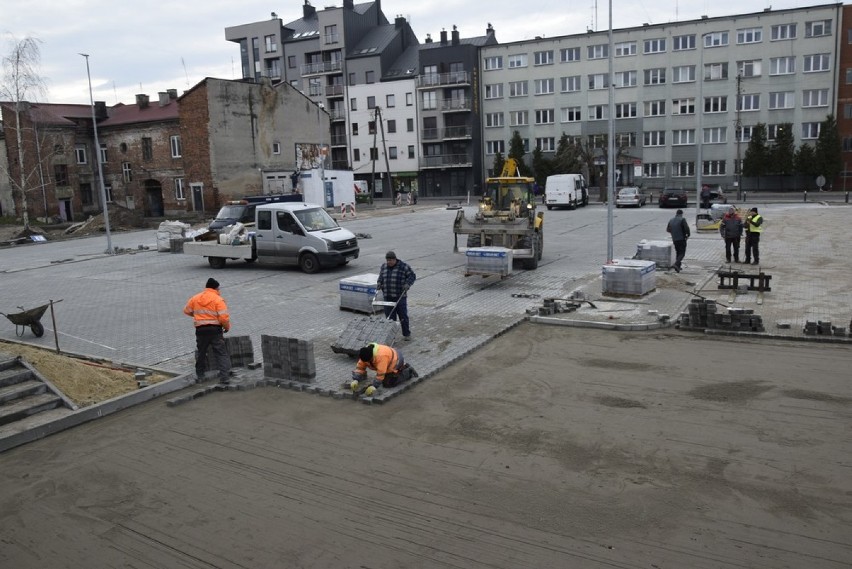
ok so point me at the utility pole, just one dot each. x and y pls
(374, 151)
(384, 147)
(739, 134)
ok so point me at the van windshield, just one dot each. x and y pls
(315, 219)
(231, 212)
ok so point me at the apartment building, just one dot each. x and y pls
(681, 90)
(844, 100)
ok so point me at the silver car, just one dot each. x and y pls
(630, 197)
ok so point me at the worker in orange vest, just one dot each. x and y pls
(210, 315)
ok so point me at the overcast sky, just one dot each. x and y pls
(146, 47)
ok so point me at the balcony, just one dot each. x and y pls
(438, 79)
(321, 67)
(337, 114)
(334, 90)
(339, 165)
(446, 161)
(457, 132)
(338, 140)
(449, 105)
(430, 133)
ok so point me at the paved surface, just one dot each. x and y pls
(127, 307)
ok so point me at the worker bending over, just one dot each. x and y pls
(388, 363)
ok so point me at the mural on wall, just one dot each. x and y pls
(309, 155)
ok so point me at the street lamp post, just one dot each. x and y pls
(699, 166)
(98, 157)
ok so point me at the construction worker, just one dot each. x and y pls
(395, 278)
(210, 314)
(731, 229)
(387, 362)
(679, 229)
(754, 227)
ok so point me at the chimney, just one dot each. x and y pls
(308, 10)
(428, 38)
(142, 101)
(455, 36)
(164, 98)
(399, 22)
(489, 30)
(443, 37)
(348, 4)
(172, 93)
(100, 110)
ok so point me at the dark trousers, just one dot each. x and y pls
(732, 243)
(401, 311)
(211, 337)
(680, 252)
(752, 248)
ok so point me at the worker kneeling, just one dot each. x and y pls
(388, 363)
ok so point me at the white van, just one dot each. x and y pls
(565, 190)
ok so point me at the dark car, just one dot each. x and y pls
(673, 197)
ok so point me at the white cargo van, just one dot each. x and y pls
(565, 190)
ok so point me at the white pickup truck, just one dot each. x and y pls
(286, 234)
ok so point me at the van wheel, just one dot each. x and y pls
(309, 263)
(474, 241)
(216, 262)
(550, 207)
(251, 260)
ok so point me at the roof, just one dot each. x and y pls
(405, 66)
(477, 41)
(122, 114)
(308, 28)
(55, 114)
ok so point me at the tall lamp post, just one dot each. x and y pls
(699, 140)
(98, 155)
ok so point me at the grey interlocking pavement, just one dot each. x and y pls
(127, 307)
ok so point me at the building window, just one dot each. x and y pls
(653, 170)
(750, 68)
(716, 39)
(86, 194)
(81, 154)
(544, 86)
(543, 57)
(409, 99)
(276, 148)
(495, 146)
(714, 168)
(683, 107)
(291, 61)
(179, 190)
(411, 151)
(370, 77)
(544, 116)
(817, 62)
(782, 65)
(625, 79)
(391, 126)
(493, 120)
(127, 171)
(519, 118)
(750, 35)
(599, 51)
(108, 192)
(174, 143)
(716, 104)
(390, 101)
(60, 174)
(683, 169)
(683, 74)
(846, 146)
(783, 32)
(749, 102)
(655, 108)
(817, 28)
(625, 139)
(354, 129)
(353, 105)
(492, 63)
(624, 49)
(681, 43)
(430, 100)
(570, 114)
(654, 138)
(715, 71)
(519, 60)
(371, 102)
(598, 112)
(598, 81)
(546, 144)
(656, 76)
(374, 153)
(392, 152)
(371, 127)
(494, 91)
(356, 155)
(570, 84)
(810, 130)
(330, 34)
(569, 54)
(518, 89)
(657, 45)
(147, 149)
(715, 135)
(270, 44)
(104, 154)
(409, 125)
(683, 137)
(746, 133)
(625, 110)
(815, 98)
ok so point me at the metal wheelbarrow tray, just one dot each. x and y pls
(29, 318)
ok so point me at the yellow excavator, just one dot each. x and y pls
(506, 217)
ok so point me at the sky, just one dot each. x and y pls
(147, 47)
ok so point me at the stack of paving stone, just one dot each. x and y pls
(823, 328)
(703, 313)
(239, 349)
(288, 358)
(488, 261)
(629, 277)
(357, 293)
(658, 251)
(362, 331)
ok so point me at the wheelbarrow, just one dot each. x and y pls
(29, 318)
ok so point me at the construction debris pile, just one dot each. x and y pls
(703, 313)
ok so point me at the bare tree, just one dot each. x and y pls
(22, 84)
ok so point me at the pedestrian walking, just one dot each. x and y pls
(679, 229)
(705, 196)
(395, 278)
(210, 315)
(753, 227)
(731, 229)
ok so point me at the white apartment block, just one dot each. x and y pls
(675, 86)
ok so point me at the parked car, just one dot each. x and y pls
(630, 197)
(673, 197)
(717, 195)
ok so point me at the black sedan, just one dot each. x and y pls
(673, 197)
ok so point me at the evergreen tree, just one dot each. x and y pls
(756, 157)
(567, 159)
(516, 151)
(542, 167)
(805, 161)
(828, 158)
(498, 163)
(782, 153)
